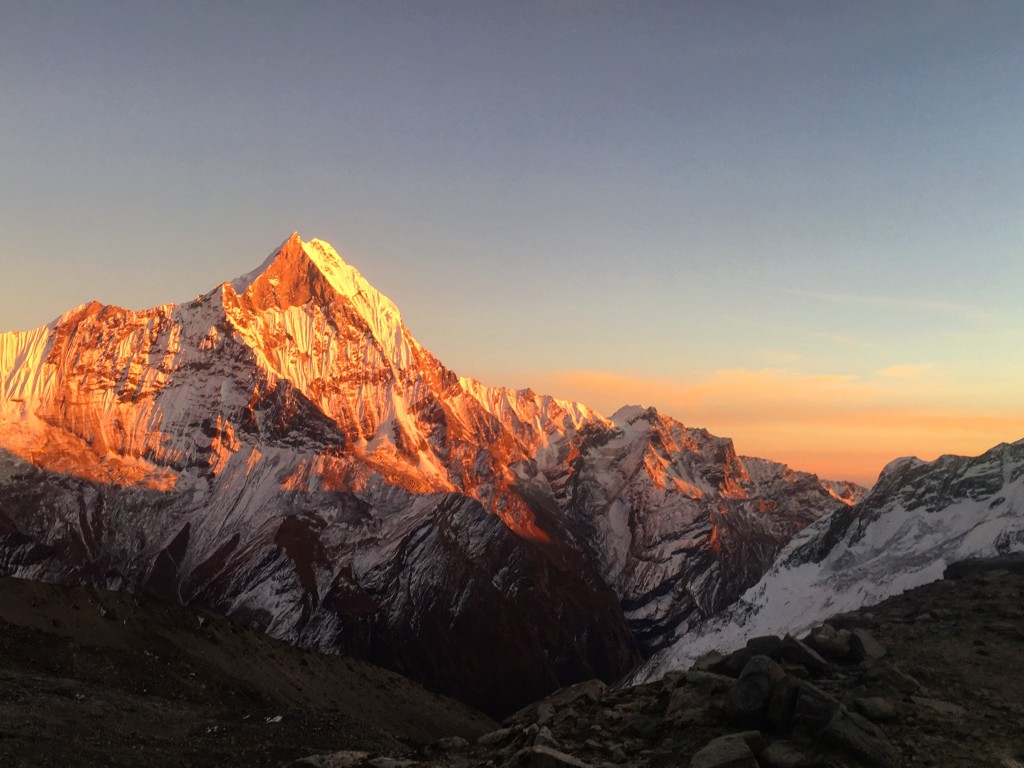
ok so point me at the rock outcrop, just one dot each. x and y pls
(934, 692)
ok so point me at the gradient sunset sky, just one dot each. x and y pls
(798, 224)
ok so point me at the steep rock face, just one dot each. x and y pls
(283, 450)
(918, 518)
(430, 585)
(677, 522)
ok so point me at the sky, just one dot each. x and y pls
(797, 224)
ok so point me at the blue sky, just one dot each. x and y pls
(795, 223)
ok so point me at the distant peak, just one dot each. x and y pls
(628, 414)
(903, 462)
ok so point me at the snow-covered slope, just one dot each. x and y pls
(282, 449)
(918, 518)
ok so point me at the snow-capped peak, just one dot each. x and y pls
(627, 414)
(897, 464)
(302, 284)
(285, 276)
(241, 284)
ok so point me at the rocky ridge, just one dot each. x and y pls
(917, 680)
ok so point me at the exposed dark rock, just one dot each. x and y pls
(499, 736)
(707, 661)
(850, 732)
(709, 681)
(935, 705)
(447, 745)
(341, 759)
(766, 645)
(877, 708)
(864, 646)
(830, 643)
(546, 757)
(890, 677)
(734, 663)
(747, 700)
(782, 704)
(732, 751)
(644, 726)
(798, 652)
(813, 708)
(687, 705)
(789, 754)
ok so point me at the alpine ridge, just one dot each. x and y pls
(919, 518)
(283, 451)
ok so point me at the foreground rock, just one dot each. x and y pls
(919, 680)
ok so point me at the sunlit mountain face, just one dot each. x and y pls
(282, 450)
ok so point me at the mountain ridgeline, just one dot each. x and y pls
(282, 451)
(919, 518)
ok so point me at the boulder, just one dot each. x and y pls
(889, 676)
(779, 714)
(709, 682)
(344, 759)
(765, 645)
(687, 705)
(876, 708)
(800, 653)
(644, 726)
(732, 751)
(445, 746)
(864, 646)
(546, 757)
(849, 732)
(672, 679)
(706, 661)
(733, 664)
(788, 754)
(497, 737)
(830, 643)
(942, 707)
(545, 738)
(748, 698)
(813, 708)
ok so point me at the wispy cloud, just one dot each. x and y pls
(903, 371)
(897, 302)
(840, 338)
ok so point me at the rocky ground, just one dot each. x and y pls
(932, 677)
(95, 678)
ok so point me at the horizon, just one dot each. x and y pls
(795, 227)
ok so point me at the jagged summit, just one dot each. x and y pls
(297, 272)
(628, 413)
(242, 283)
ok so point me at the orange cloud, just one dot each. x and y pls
(904, 371)
(841, 427)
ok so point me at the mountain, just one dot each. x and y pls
(919, 518)
(281, 450)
